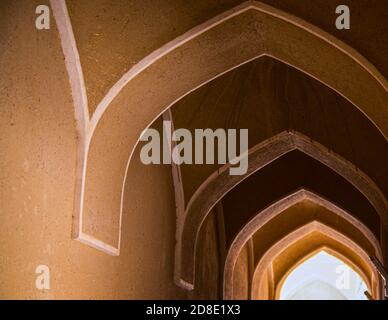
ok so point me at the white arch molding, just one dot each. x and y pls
(223, 46)
(263, 217)
(220, 183)
(373, 282)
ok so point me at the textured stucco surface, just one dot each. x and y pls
(295, 217)
(37, 177)
(133, 29)
(298, 215)
(241, 276)
(295, 170)
(266, 97)
(222, 47)
(38, 144)
(207, 285)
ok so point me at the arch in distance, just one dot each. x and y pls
(220, 183)
(367, 271)
(273, 210)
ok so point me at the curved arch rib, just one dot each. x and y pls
(220, 183)
(297, 235)
(219, 19)
(262, 30)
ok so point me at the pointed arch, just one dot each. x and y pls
(367, 272)
(220, 183)
(225, 42)
(260, 219)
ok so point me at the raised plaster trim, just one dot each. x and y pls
(272, 211)
(220, 183)
(87, 127)
(202, 28)
(78, 90)
(177, 182)
(73, 64)
(298, 235)
(263, 217)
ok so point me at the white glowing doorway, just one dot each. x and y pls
(323, 277)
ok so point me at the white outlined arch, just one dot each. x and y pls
(333, 253)
(373, 281)
(219, 19)
(220, 183)
(94, 142)
(263, 217)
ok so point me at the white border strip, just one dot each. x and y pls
(73, 64)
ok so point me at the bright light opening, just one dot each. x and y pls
(323, 277)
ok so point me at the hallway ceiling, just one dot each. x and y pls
(284, 176)
(111, 38)
(267, 97)
(264, 96)
(298, 215)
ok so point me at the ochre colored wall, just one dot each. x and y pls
(207, 275)
(37, 177)
(38, 142)
(148, 233)
(240, 276)
(133, 29)
(301, 214)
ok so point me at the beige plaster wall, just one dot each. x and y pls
(37, 177)
(207, 276)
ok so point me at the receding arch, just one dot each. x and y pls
(230, 14)
(222, 44)
(368, 273)
(272, 211)
(328, 250)
(220, 183)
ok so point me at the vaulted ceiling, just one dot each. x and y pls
(114, 36)
(313, 98)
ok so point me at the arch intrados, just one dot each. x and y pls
(220, 183)
(281, 246)
(217, 20)
(266, 215)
